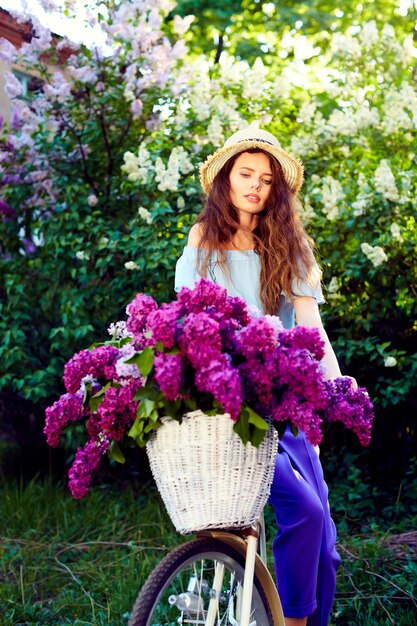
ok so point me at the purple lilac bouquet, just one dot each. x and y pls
(204, 350)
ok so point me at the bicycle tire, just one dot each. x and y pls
(151, 604)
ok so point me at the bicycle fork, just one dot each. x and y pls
(245, 602)
(247, 547)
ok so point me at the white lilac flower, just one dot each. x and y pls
(396, 231)
(275, 322)
(13, 85)
(254, 311)
(131, 265)
(390, 361)
(7, 52)
(87, 380)
(178, 163)
(346, 44)
(369, 34)
(92, 200)
(182, 24)
(385, 181)
(360, 204)
(215, 131)
(307, 111)
(180, 202)
(375, 254)
(82, 256)
(256, 80)
(333, 286)
(145, 215)
(333, 289)
(118, 330)
(342, 122)
(332, 194)
(137, 166)
(83, 74)
(127, 370)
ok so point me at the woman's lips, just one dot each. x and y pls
(252, 197)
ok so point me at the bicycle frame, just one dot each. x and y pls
(253, 564)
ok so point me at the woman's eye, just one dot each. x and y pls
(245, 175)
(267, 182)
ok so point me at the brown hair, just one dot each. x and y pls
(280, 239)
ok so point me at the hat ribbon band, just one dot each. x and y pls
(255, 139)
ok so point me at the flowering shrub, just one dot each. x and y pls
(98, 191)
(201, 351)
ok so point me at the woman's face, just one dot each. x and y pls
(250, 182)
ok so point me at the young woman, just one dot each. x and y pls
(250, 239)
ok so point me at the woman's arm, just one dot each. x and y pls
(307, 314)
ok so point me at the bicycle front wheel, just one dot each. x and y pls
(198, 583)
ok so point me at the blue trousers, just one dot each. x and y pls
(304, 550)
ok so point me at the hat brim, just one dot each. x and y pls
(292, 168)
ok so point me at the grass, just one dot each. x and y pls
(65, 562)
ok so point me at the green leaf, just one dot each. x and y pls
(250, 426)
(241, 427)
(137, 428)
(144, 360)
(173, 408)
(115, 453)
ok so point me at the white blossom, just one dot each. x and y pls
(82, 256)
(333, 286)
(92, 200)
(396, 231)
(360, 204)
(255, 80)
(7, 51)
(180, 202)
(131, 265)
(215, 131)
(307, 111)
(375, 254)
(390, 361)
(385, 182)
(145, 215)
(369, 35)
(182, 24)
(332, 195)
(126, 371)
(333, 289)
(169, 176)
(13, 85)
(137, 166)
(118, 330)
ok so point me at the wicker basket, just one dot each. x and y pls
(207, 478)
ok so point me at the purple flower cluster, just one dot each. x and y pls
(170, 374)
(163, 323)
(87, 459)
(98, 363)
(206, 347)
(353, 408)
(138, 311)
(69, 408)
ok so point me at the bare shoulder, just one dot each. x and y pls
(195, 234)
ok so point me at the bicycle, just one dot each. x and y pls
(219, 578)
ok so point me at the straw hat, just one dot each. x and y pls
(244, 140)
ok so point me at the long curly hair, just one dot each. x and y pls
(280, 239)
